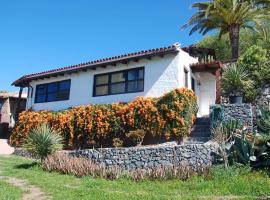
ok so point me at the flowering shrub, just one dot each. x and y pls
(169, 116)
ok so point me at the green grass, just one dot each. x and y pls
(9, 192)
(236, 182)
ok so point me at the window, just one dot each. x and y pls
(120, 82)
(56, 91)
(186, 77)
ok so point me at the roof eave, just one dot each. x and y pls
(24, 81)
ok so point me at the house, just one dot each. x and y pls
(9, 103)
(122, 78)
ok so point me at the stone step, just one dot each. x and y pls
(195, 140)
(200, 134)
(200, 131)
(201, 127)
(202, 121)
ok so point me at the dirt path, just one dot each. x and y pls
(31, 192)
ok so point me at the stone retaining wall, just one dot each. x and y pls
(193, 155)
(227, 112)
(240, 112)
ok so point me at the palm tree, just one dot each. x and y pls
(228, 16)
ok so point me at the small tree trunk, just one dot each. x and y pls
(234, 39)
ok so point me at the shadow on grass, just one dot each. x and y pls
(27, 165)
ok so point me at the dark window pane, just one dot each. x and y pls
(119, 82)
(40, 98)
(52, 87)
(41, 89)
(63, 95)
(135, 74)
(55, 91)
(118, 77)
(101, 90)
(52, 97)
(64, 85)
(117, 88)
(104, 79)
(135, 86)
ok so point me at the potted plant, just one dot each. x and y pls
(235, 81)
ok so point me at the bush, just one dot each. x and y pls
(235, 80)
(78, 166)
(255, 61)
(171, 115)
(42, 142)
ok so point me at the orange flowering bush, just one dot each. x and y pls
(169, 116)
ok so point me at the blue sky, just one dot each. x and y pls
(38, 35)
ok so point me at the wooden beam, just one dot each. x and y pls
(124, 62)
(161, 56)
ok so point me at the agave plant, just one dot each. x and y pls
(237, 144)
(264, 122)
(223, 134)
(235, 80)
(244, 148)
(43, 141)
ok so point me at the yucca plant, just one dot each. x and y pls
(43, 141)
(235, 80)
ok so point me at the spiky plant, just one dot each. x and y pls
(264, 122)
(43, 141)
(228, 16)
(235, 80)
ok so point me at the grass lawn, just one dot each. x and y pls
(9, 192)
(236, 183)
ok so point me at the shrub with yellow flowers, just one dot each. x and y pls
(169, 116)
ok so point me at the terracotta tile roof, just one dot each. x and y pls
(24, 80)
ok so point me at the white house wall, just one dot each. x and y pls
(161, 75)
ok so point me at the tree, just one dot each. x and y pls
(248, 38)
(228, 16)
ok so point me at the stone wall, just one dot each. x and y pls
(193, 155)
(227, 112)
(240, 112)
